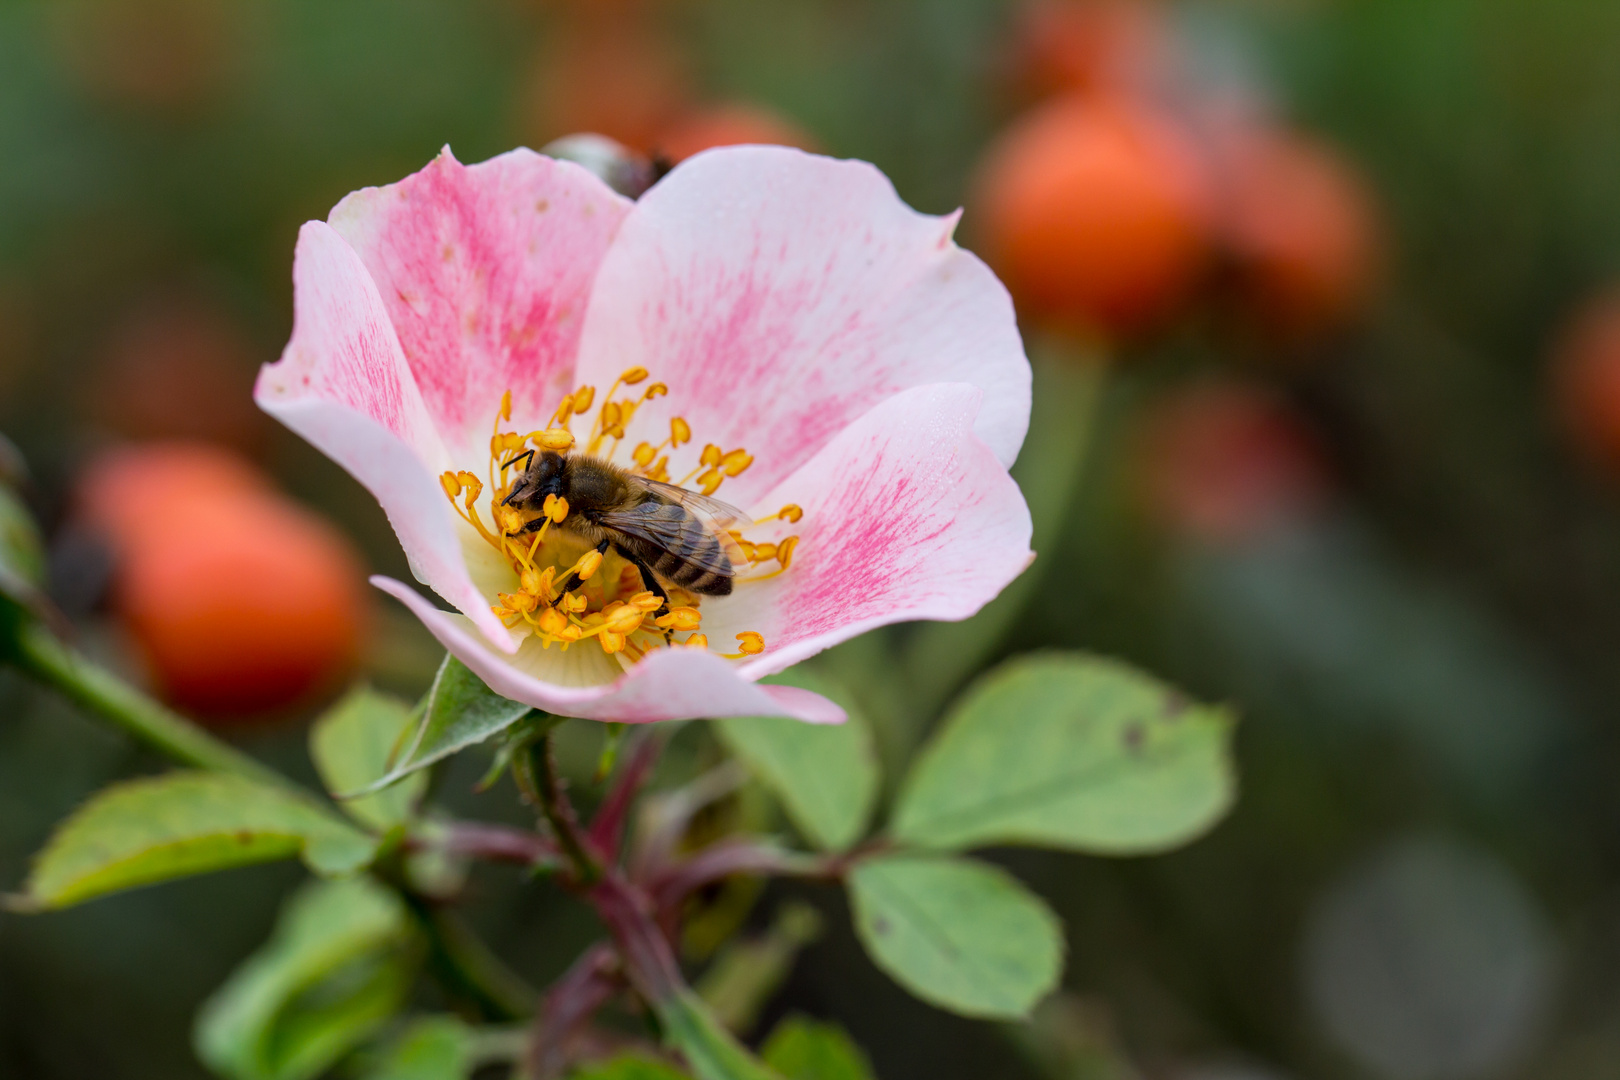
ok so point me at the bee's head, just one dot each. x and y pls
(543, 477)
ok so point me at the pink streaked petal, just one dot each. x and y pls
(409, 494)
(485, 271)
(342, 384)
(907, 515)
(669, 684)
(343, 347)
(781, 295)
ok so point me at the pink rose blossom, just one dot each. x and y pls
(839, 369)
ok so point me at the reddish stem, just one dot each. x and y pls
(497, 843)
(607, 828)
(726, 857)
(584, 988)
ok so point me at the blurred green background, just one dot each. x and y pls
(1422, 877)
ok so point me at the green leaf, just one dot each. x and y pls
(157, 828)
(339, 965)
(957, 933)
(629, 1067)
(460, 711)
(1069, 751)
(432, 1048)
(825, 774)
(710, 1051)
(22, 561)
(352, 744)
(804, 1049)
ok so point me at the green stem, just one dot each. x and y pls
(40, 654)
(536, 774)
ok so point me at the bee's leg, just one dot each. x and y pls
(648, 580)
(571, 582)
(532, 526)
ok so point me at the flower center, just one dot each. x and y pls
(575, 582)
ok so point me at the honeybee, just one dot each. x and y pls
(664, 531)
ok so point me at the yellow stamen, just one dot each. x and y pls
(609, 602)
(633, 375)
(748, 644)
(555, 439)
(681, 618)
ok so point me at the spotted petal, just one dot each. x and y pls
(781, 295)
(485, 271)
(343, 384)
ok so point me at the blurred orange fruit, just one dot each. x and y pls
(1586, 378)
(1094, 211)
(730, 124)
(1300, 230)
(1090, 45)
(1225, 461)
(240, 601)
(610, 73)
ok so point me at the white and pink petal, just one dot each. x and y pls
(907, 515)
(343, 384)
(486, 271)
(668, 684)
(781, 295)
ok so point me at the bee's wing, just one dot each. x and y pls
(723, 515)
(664, 525)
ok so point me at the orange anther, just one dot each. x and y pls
(451, 484)
(644, 454)
(570, 633)
(625, 620)
(611, 642)
(588, 564)
(697, 641)
(517, 601)
(633, 375)
(680, 432)
(573, 603)
(470, 483)
(554, 439)
(709, 482)
(506, 405)
(784, 551)
(790, 512)
(681, 618)
(553, 622)
(646, 601)
(750, 643)
(656, 390)
(555, 507)
(763, 552)
(736, 461)
(711, 455)
(583, 398)
(610, 414)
